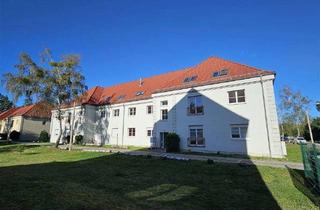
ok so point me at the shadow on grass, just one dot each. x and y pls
(11, 147)
(302, 184)
(119, 181)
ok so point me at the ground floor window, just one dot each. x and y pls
(131, 131)
(149, 132)
(239, 131)
(196, 136)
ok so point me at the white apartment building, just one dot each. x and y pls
(215, 106)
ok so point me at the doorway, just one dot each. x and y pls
(163, 136)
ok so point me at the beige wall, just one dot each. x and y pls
(32, 127)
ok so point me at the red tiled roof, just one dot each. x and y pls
(39, 110)
(172, 81)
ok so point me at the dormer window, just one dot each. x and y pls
(190, 79)
(220, 73)
(121, 97)
(139, 93)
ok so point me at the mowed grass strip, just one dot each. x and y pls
(47, 178)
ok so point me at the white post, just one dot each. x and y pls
(309, 125)
(71, 126)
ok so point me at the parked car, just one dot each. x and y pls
(285, 138)
(300, 140)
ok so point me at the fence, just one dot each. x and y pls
(311, 163)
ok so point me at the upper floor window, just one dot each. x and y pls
(102, 114)
(131, 132)
(149, 109)
(149, 132)
(132, 111)
(164, 103)
(116, 112)
(196, 136)
(195, 105)
(164, 114)
(237, 96)
(239, 131)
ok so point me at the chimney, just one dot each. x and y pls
(140, 82)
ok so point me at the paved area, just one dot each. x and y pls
(178, 156)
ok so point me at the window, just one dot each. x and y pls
(11, 124)
(131, 131)
(237, 96)
(116, 112)
(139, 93)
(239, 131)
(220, 73)
(121, 97)
(190, 79)
(164, 114)
(149, 132)
(149, 109)
(44, 122)
(164, 103)
(103, 114)
(196, 136)
(195, 105)
(132, 111)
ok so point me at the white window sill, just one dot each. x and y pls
(194, 145)
(238, 103)
(239, 139)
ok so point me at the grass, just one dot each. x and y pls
(42, 177)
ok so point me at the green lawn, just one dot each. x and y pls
(46, 178)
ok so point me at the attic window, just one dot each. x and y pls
(139, 93)
(220, 73)
(121, 97)
(106, 99)
(190, 79)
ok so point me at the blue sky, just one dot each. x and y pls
(121, 41)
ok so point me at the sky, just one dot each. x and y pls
(124, 40)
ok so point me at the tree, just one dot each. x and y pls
(318, 106)
(296, 106)
(27, 82)
(315, 125)
(5, 103)
(63, 84)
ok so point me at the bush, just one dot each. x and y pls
(14, 135)
(3, 136)
(172, 142)
(44, 136)
(79, 139)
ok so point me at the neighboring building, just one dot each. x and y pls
(28, 120)
(217, 105)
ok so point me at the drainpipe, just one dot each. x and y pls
(122, 135)
(265, 115)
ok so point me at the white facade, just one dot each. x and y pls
(255, 120)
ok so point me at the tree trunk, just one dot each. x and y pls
(298, 129)
(309, 125)
(60, 130)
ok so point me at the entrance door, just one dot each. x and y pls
(163, 136)
(115, 136)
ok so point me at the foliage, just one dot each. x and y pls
(318, 106)
(5, 103)
(172, 142)
(14, 135)
(79, 139)
(44, 136)
(293, 106)
(315, 127)
(3, 136)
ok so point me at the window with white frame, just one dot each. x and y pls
(164, 114)
(149, 109)
(102, 114)
(164, 103)
(237, 96)
(239, 131)
(116, 112)
(149, 132)
(132, 111)
(196, 136)
(195, 106)
(131, 132)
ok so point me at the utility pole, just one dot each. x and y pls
(309, 125)
(71, 126)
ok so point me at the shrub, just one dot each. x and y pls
(14, 135)
(3, 136)
(44, 136)
(172, 142)
(79, 139)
